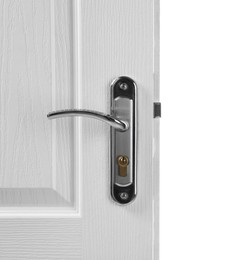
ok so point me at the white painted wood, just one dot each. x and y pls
(36, 77)
(69, 58)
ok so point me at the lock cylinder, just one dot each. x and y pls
(123, 162)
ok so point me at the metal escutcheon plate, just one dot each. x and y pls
(123, 144)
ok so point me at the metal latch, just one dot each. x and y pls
(157, 109)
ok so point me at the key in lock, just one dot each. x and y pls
(123, 162)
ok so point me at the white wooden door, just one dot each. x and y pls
(55, 200)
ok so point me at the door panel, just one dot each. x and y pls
(36, 162)
(55, 200)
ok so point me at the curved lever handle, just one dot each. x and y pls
(112, 121)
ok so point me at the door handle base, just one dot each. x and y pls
(123, 122)
(123, 144)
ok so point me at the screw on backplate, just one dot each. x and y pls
(123, 86)
(123, 195)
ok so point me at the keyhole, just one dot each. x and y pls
(123, 162)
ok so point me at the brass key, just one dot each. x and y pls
(122, 165)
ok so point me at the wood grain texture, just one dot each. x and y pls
(30, 198)
(117, 38)
(156, 133)
(25, 82)
(35, 78)
(38, 239)
(63, 97)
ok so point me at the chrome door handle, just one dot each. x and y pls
(123, 122)
(111, 120)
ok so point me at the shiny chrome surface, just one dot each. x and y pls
(112, 121)
(122, 143)
(124, 107)
(123, 122)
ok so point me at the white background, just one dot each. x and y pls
(200, 130)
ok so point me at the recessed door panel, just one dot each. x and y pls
(64, 54)
(36, 159)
